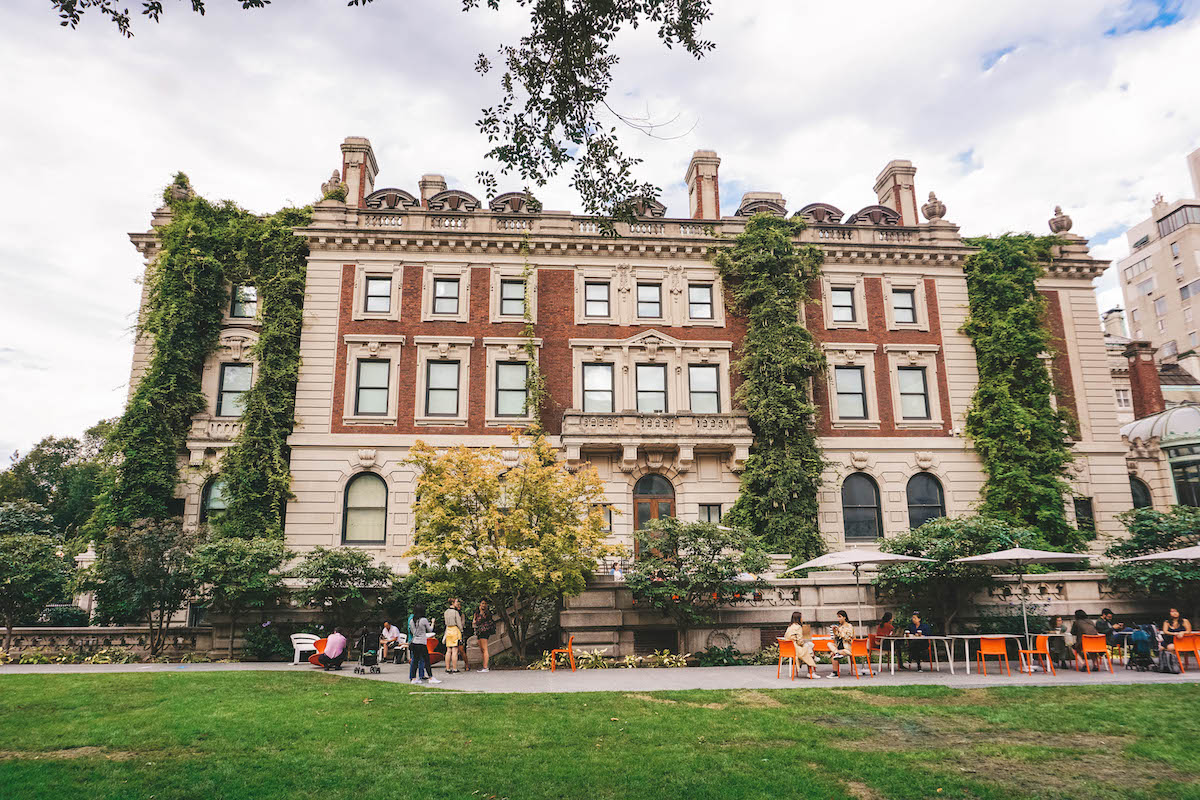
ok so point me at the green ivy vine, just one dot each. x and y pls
(535, 379)
(1022, 440)
(767, 278)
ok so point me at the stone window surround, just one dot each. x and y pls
(622, 294)
(443, 348)
(852, 355)
(508, 272)
(914, 284)
(227, 317)
(234, 348)
(497, 349)
(391, 523)
(625, 354)
(459, 272)
(378, 347)
(915, 355)
(841, 281)
(394, 273)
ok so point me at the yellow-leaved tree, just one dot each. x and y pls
(521, 536)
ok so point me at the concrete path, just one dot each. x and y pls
(643, 680)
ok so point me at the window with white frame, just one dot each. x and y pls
(904, 306)
(710, 512)
(245, 302)
(512, 298)
(1187, 314)
(234, 383)
(1136, 315)
(364, 514)
(704, 390)
(598, 388)
(441, 388)
(596, 301)
(1146, 288)
(649, 300)
(651, 388)
(1160, 307)
(850, 384)
(700, 301)
(842, 303)
(371, 387)
(914, 392)
(378, 298)
(445, 296)
(511, 388)
(1124, 398)
(1169, 348)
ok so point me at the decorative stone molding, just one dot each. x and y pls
(860, 459)
(925, 460)
(821, 213)
(366, 457)
(874, 215)
(391, 198)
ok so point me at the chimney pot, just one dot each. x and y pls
(359, 169)
(1143, 379)
(430, 186)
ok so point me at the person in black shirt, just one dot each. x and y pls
(918, 651)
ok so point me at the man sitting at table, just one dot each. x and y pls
(1081, 627)
(918, 651)
(1109, 628)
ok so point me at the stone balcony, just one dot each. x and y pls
(683, 434)
(215, 430)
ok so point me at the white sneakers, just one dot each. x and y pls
(485, 669)
(434, 680)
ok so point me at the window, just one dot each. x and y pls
(1085, 519)
(214, 499)
(1189, 291)
(1179, 272)
(914, 393)
(703, 389)
(364, 518)
(1177, 219)
(1174, 249)
(1160, 307)
(607, 513)
(904, 305)
(235, 382)
(1140, 492)
(1187, 483)
(1124, 398)
(245, 302)
(1146, 288)
(1193, 339)
(445, 295)
(842, 301)
(512, 298)
(379, 296)
(371, 388)
(926, 500)
(860, 508)
(1135, 315)
(1187, 314)
(851, 392)
(651, 388)
(710, 512)
(700, 301)
(649, 300)
(511, 391)
(1133, 270)
(598, 388)
(441, 389)
(1162, 326)
(595, 299)
(1168, 349)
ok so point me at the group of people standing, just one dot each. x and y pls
(421, 631)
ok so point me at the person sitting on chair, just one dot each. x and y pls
(335, 651)
(1109, 628)
(804, 650)
(1081, 627)
(1172, 626)
(886, 628)
(843, 635)
(917, 651)
(1061, 645)
(389, 637)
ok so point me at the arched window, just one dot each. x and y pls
(1140, 492)
(364, 520)
(214, 499)
(653, 498)
(860, 508)
(926, 500)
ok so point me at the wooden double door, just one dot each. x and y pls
(653, 498)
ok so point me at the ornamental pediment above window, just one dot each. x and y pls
(237, 343)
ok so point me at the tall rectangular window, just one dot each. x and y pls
(441, 388)
(651, 388)
(379, 296)
(649, 300)
(914, 393)
(445, 295)
(512, 298)
(1124, 398)
(234, 383)
(700, 301)
(1085, 518)
(704, 389)
(245, 302)
(511, 391)
(371, 386)
(598, 388)
(1146, 288)
(1175, 249)
(851, 392)
(904, 305)
(842, 301)
(710, 512)
(1160, 307)
(595, 299)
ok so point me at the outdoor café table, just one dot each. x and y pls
(966, 637)
(891, 640)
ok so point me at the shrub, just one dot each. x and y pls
(768, 656)
(591, 660)
(5, 658)
(665, 658)
(112, 655)
(195, 658)
(67, 617)
(720, 657)
(265, 642)
(66, 655)
(34, 657)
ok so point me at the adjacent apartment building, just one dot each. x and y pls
(414, 310)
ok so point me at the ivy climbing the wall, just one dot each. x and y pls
(767, 278)
(1022, 440)
(535, 379)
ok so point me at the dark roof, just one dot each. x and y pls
(1175, 375)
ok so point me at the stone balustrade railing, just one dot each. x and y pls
(579, 423)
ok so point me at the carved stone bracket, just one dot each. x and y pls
(924, 459)
(366, 457)
(860, 459)
(686, 458)
(629, 458)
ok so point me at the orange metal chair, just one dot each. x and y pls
(993, 646)
(569, 650)
(1041, 647)
(787, 649)
(1090, 646)
(1187, 646)
(859, 648)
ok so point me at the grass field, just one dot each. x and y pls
(275, 735)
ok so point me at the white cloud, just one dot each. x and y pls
(1007, 109)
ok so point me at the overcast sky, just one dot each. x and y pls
(1006, 109)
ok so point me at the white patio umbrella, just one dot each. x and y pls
(854, 558)
(1021, 557)
(1183, 554)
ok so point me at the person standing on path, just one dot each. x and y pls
(419, 632)
(454, 634)
(485, 629)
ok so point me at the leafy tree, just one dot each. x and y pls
(1152, 531)
(145, 573)
(23, 516)
(520, 537)
(942, 588)
(768, 278)
(343, 582)
(33, 574)
(686, 570)
(240, 575)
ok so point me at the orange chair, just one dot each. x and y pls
(1187, 646)
(569, 650)
(1041, 648)
(787, 649)
(1090, 646)
(859, 648)
(993, 646)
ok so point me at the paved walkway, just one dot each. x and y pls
(643, 680)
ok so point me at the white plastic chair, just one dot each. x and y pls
(303, 643)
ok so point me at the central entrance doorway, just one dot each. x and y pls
(653, 498)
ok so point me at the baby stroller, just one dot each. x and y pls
(368, 655)
(1141, 643)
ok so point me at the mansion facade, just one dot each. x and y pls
(414, 314)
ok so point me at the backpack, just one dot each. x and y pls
(1168, 662)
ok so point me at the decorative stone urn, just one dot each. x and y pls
(1060, 222)
(935, 209)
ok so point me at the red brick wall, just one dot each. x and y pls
(1060, 364)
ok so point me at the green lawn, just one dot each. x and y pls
(277, 735)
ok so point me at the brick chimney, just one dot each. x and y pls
(704, 194)
(1143, 379)
(430, 186)
(896, 189)
(359, 169)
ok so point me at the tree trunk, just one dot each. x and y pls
(232, 629)
(8, 629)
(681, 633)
